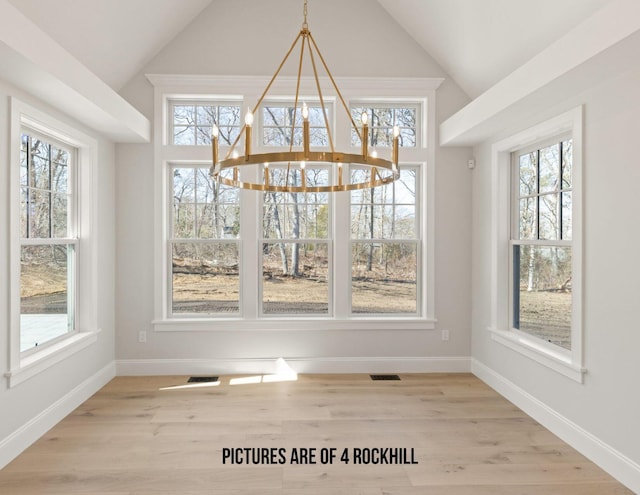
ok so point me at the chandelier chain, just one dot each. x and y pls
(305, 25)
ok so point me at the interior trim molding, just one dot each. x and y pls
(604, 455)
(146, 367)
(14, 444)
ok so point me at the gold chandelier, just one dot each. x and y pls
(381, 171)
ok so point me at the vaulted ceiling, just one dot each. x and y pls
(477, 42)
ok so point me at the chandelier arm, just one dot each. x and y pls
(264, 94)
(297, 98)
(335, 86)
(324, 110)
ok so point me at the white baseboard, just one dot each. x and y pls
(613, 462)
(19, 440)
(145, 367)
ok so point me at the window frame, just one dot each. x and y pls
(417, 240)
(248, 90)
(566, 362)
(71, 239)
(394, 103)
(196, 102)
(26, 364)
(172, 239)
(330, 106)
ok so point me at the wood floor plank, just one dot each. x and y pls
(162, 436)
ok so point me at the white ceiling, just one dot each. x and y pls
(113, 38)
(477, 42)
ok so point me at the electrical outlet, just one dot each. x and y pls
(142, 336)
(445, 335)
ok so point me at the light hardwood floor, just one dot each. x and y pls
(148, 436)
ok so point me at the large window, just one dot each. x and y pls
(205, 245)
(296, 246)
(385, 245)
(230, 258)
(53, 268)
(48, 245)
(541, 242)
(536, 288)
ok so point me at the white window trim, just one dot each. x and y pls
(249, 89)
(25, 365)
(565, 362)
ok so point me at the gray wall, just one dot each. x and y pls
(27, 400)
(361, 41)
(607, 405)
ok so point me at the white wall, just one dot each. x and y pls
(607, 405)
(250, 37)
(30, 408)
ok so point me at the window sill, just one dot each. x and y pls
(554, 359)
(292, 324)
(40, 361)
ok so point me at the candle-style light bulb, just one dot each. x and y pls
(396, 139)
(214, 147)
(365, 135)
(248, 120)
(306, 133)
(374, 153)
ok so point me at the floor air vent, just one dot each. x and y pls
(202, 379)
(385, 377)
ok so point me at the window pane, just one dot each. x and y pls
(59, 177)
(296, 215)
(203, 135)
(206, 116)
(295, 221)
(381, 123)
(567, 161)
(205, 278)
(39, 214)
(528, 174)
(383, 278)
(277, 126)
(40, 172)
(542, 299)
(183, 135)
(229, 116)
(386, 212)
(192, 124)
(59, 215)
(549, 168)
(24, 211)
(45, 299)
(24, 171)
(295, 278)
(184, 115)
(567, 220)
(549, 220)
(527, 218)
